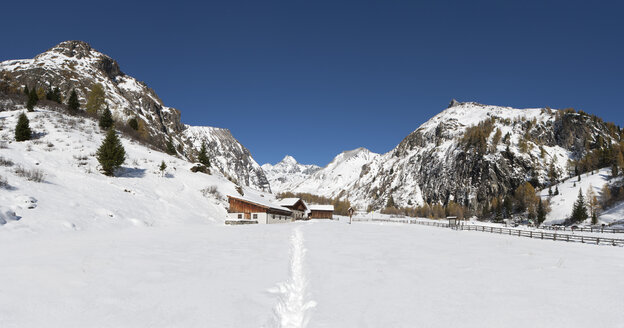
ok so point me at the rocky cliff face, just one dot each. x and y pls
(226, 153)
(468, 153)
(74, 65)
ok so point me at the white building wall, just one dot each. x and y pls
(262, 218)
(275, 218)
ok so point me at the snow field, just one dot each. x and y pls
(327, 273)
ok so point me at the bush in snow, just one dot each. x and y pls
(35, 175)
(212, 190)
(5, 161)
(200, 168)
(111, 153)
(22, 129)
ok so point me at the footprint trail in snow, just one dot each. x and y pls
(293, 309)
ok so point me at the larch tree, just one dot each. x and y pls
(593, 204)
(95, 99)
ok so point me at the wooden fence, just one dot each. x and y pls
(585, 229)
(512, 232)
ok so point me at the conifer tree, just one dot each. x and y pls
(203, 157)
(26, 91)
(499, 214)
(133, 123)
(507, 207)
(170, 147)
(111, 153)
(72, 104)
(579, 211)
(22, 128)
(32, 100)
(106, 119)
(541, 213)
(556, 190)
(162, 168)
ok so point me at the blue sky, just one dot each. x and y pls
(314, 78)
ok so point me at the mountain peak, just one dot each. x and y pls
(289, 160)
(454, 103)
(73, 48)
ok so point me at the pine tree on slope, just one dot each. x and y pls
(111, 153)
(32, 100)
(22, 128)
(579, 211)
(203, 157)
(72, 104)
(106, 119)
(541, 213)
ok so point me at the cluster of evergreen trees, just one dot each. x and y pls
(111, 153)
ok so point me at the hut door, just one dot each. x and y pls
(248, 216)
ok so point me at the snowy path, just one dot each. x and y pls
(293, 310)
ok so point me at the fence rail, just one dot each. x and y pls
(512, 232)
(584, 229)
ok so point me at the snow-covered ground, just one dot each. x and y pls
(561, 205)
(305, 274)
(76, 196)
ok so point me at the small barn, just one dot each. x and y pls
(321, 211)
(258, 209)
(296, 205)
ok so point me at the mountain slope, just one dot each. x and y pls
(75, 196)
(469, 153)
(74, 65)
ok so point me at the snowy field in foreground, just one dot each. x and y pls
(328, 274)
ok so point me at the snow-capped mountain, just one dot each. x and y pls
(288, 173)
(73, 195)
(74, 65)
(330, 181)
(468, 153)
(226, 153)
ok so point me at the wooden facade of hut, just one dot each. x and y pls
(296, 205)
(321, 211)
(258, 209)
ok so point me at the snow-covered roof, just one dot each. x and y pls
(260, 201)
(321, 207)
(288, 201)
